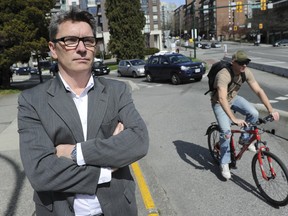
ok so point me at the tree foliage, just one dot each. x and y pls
(23, 29)
(126, 22)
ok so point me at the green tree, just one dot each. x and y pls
(126, 22)
(23, 29)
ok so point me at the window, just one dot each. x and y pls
(155, 9)
(155, 60)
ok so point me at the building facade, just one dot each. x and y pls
(233, 19)
(151, 9)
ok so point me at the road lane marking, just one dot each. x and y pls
(281, 98)
(273, 101)
(144, 190)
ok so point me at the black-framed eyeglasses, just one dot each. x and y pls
(242, 63)
(73, 41)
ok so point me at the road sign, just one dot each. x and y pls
(255, 6)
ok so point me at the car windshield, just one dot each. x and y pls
(179, 59)
(97, 64)
(138, 62)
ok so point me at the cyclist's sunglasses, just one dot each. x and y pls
(242, 63)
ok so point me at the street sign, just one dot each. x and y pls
(255, 6)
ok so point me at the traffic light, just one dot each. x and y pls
(235, 28)
(260, 26)
(239, 6)
(263, 5)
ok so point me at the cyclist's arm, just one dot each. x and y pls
(264, 99)
(222, 97)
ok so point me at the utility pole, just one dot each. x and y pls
(194, 30)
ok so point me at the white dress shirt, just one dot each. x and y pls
(84, 204)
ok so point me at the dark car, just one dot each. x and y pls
(33, 70)
(283, 42)
(53, 68)
(22, 70)
(205, 46)
(215, 45)
(174, 67)
(99, 68)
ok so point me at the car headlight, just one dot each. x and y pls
(140, 70)
(97, 69)
(184, 68)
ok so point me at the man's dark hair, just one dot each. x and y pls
(74, 15)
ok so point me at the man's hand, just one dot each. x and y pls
(276, 116)
(240, 122)
(64, 150)
(118, 129)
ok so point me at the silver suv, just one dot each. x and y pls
(283, 42)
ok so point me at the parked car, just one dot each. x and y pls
(283, 42)
(99, 68)
(53, 68)
(131, 67)
(174, 67)
(205, 46)
(33, 70)
(22, 70)
(215, 45)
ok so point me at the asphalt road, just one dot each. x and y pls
(178, 168)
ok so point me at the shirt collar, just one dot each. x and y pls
(89, 85)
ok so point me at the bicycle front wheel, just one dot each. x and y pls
(214, 144)
(274, 187)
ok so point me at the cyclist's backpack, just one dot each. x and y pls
(216, 67)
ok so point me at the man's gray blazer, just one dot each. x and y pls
(47, 116)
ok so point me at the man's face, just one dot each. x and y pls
(239, 67)
(73, 59)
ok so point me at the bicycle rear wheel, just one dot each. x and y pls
(214, 144)
(275, 188)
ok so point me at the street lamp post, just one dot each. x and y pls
(194, 32)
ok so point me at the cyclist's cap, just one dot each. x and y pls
(241, 57)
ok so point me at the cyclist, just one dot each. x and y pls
(225, 100)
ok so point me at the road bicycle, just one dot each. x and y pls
(269, 172)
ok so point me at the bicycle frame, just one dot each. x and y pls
(255, 137)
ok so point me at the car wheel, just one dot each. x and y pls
(119, 73)
(149, 78)
(175, 79)
(198, 79)
(134, 74)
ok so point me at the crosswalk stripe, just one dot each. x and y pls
(281, 98)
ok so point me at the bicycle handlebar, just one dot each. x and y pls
(268, 118)
(260, 121)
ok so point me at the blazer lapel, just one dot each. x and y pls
(97, 105)
(62, 103)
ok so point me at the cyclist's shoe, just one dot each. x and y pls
(245, 141)
(225, 171)
(252, 148)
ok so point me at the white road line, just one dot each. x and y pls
(281, 98)
(273, 101)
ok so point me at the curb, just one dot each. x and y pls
(267, 68)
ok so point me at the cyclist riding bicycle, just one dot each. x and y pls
(224, 101)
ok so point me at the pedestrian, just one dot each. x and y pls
(225, 101)
(79, 133)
